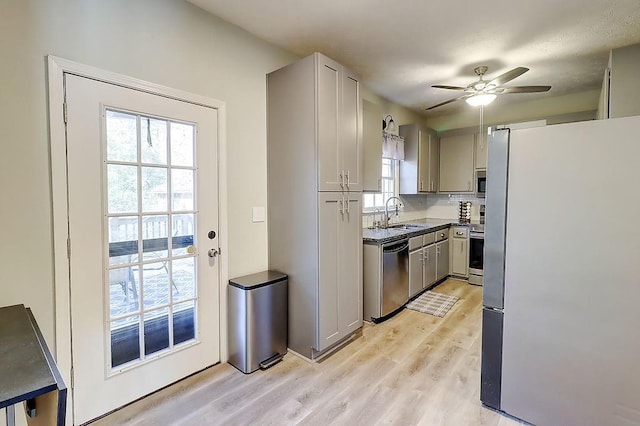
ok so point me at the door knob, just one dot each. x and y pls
(213, 252)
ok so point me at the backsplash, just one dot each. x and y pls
(436, 206)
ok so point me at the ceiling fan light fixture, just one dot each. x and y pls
(481, 99)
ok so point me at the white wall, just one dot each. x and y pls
(169, 42)
(400, 114)
(537, 109)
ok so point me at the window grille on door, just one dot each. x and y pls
(150, 220)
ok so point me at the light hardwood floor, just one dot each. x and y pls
(413, 369)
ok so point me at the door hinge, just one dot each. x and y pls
(69, 248)
(64, 112)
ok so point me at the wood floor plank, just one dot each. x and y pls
(411, 369)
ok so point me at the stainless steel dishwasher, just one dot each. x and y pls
(395, 275)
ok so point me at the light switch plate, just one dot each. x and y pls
(258, 214)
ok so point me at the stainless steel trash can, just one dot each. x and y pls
(257, 320)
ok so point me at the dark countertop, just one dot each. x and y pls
(382, 236)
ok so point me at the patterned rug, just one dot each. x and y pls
(433, 303)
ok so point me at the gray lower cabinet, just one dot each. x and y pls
(460, 252)
(422, 263)
(340, 273)
(442, 259)
(415, 272)
(430, 265)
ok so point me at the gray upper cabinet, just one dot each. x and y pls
(456, 163)
(339, 127)
(419, 169)
(481, 151)
(371, 147)
(623, 90)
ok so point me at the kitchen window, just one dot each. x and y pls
(371, 202)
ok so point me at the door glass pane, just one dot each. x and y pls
(184, 284)
(153, 140)
(155, 237)
(184, 322)
(156, 330)
(154, 189)
(123, 239)
(125, 340)
(181, 189)
(182, 144)
(182, 233)
(144, 283)
(122, 188)
(155, 284)
(122, 136)
(123, 291)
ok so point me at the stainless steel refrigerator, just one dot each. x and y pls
(561, 295)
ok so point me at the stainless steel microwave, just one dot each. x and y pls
(481, 183)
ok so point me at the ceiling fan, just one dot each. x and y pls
(483, 92)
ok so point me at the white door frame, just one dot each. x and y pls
(57, 67)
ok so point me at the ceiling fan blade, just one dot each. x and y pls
(447, 102)
(440, 86)
(508, 76)
(526, 89)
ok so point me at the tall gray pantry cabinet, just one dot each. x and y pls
(314, 151)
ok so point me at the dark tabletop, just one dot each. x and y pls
(24, 370)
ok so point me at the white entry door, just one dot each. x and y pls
(143, 214)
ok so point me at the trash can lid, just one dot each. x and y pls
(260, 279)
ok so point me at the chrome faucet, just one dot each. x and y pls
(377, 223)
(386, 209)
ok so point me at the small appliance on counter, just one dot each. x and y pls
(464, 212)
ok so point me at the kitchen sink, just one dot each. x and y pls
(406, 226)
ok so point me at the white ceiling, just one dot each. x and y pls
(401, 48)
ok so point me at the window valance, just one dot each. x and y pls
(392, 146)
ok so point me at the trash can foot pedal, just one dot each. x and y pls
(271, 361)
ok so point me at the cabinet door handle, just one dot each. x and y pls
(421, 185)
(380, 184)
(341, 206)
(347, 204)
(341, 178)
(347, 180)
